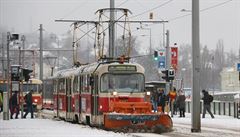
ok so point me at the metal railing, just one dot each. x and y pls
(219, 108)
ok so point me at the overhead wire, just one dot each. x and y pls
(73, 10)
(154, 8)
(208, 8)
(122, 3)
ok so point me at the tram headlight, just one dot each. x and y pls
(148, 93)
(35, 100)
(114, 93)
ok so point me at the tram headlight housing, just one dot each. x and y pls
(35, 100)
(114, 93)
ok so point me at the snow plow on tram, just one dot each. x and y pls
(109, 95)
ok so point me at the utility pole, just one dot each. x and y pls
(164, 35)
(112, 29)
(167, 51)
(20, 82)
(19, 55)
(195, 115)
(168, 64)
(23, 54)
(3, 57)
(41, 53)
(150, 42)
(6, 94)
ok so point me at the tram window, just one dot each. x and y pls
(75, 84)
(85, 83)
(28, 87)
(81, 84)
(122, 82)
(61, 85)
(3, 86)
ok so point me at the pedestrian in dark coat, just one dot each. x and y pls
(28, 100)
(162, 100)
(14, 106)
(155, 100)
(181, 103)
(206, 104)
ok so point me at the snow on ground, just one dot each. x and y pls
(221, 126)
(50, 128)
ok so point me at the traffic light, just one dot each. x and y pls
(171, 74)
(155, 55)
(15, 37)
(26, 73)
(165, 76)
(150, 15)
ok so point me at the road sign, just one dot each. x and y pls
(238, 67)
(161, 64)
(162, 60)
(174, 57)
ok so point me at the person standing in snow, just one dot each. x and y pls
(207, 99)
(28, 99)
(181, 103)
(13, 105)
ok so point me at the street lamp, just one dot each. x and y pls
(185, 10)
(183, 76)
(213, 81)
(56, 40)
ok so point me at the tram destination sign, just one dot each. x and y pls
(122, 68)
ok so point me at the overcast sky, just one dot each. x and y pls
(220, 19)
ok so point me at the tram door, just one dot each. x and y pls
(56, 90)
(68, 98)
(94, 93)
(94, 98)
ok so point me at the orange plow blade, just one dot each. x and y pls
(129, 117)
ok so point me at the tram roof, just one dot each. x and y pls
(85, 68)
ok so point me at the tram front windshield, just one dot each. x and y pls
(28, 87)
(122, 82)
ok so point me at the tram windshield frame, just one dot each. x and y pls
(122, 82)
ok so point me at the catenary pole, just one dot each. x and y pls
(111, 30)
(3, 57)
(168, 65)
(195, 115)
(41, 53)
(167, 59)
(6, 94)
(23, 48)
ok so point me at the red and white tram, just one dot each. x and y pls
(94, 93)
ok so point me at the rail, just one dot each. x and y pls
(220, 108)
